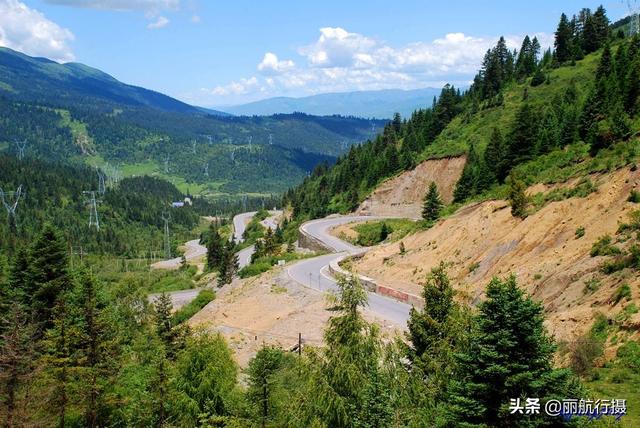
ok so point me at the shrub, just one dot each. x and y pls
(589, 346)
(603, 247)
(622, 292)
(584, 352)
(612, 266)
(254, 269)
(187, 311)
(591, 285)
(620, 375)
(629, 356)
(634, 197)
(580, 232)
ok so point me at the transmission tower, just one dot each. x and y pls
(193, 146)
(634, 17)
(271, 139)
(166, 164)
(206, 169)
(101, 185)
(94, 220)
(250, 139)
(233, 155)
(166, 217)
(21, 145)
(10, 201)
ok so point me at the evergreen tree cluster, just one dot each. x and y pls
(585, 33)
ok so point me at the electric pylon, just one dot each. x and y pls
(166, 217)
(94, 220)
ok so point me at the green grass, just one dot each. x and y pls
(187, 311)
(264, 264)
(617, 382)
(369, 232)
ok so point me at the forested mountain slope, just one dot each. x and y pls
(71, 111)
(129, 213)
(559, 108)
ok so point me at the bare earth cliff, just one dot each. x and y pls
(550, 261)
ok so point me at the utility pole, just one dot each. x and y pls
(166, 217)
(94, 220)
(21, 145)
(10, 201)
(299, 344)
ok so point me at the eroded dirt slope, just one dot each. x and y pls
(543, 251)
(402, 195)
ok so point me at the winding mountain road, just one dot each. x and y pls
(314, 273)
(195, 250)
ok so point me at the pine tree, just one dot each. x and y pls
(229, 266)
(517, 197)
(215, 248)
(17, 354)
(466, 185)
(429, 326)
(262, 372)
(166, 331)
(523, 137)
(95, 346)
(48, 274)
(510, 355)
(563, 40)
(384, 232)
(495, 155)
(549, 133)
(432, 205)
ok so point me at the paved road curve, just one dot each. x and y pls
(314, 273)
(194, 250)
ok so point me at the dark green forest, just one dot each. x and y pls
(129, 213)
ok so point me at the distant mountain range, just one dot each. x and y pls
(44, 81)
(369, 104)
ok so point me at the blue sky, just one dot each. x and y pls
(226, 52)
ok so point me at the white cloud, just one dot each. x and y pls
(154, 6)
(337, 47)
(270, 64)
(159, 22)
(28, 30)
(240, 87)
(343, 61)
(195, 19)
